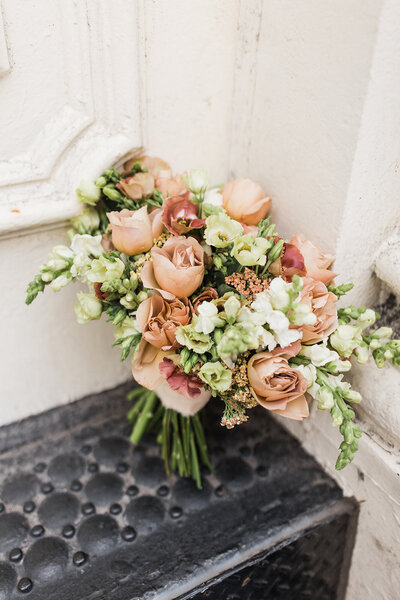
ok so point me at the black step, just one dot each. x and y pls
(84, 515)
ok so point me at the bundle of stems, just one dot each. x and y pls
(182, 439)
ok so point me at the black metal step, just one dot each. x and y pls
(84, 515)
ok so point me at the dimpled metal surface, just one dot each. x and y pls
(84, 515)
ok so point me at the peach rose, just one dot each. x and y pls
(137, 186)
(316, 263)
(176, 269)
(154, 165)
(277, 386)
(133, 231)
(170, 186)
(322, 303)
(145, 365)
(245, 201)
(158, 320)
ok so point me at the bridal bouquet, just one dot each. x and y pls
(212, 305)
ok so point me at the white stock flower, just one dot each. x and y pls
(303, 314)
(266, 339)
(213, 197)
(277, 321)
(207, 319)
(325, 398)
(88, 307)
(345, 339)
(319, 354)
(367, 318)
(88, 244)
(278, 293)
(81, 266)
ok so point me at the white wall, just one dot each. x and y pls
(320, 130)
(302, 96)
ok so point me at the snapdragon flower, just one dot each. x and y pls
(88, 307)
(88, 192)
(103, 269)
(345, 339)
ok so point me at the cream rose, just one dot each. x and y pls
(134, 231)
(176, 269)
(137, 186)
(245, 201)
(277, 386)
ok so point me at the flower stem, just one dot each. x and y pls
(144, 417)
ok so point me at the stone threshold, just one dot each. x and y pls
(86, 516)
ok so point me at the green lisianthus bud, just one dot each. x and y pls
(88, 307)
(112, 193)
(352, 396)
(192, 339)
(133, 281)
(101, 181)
(216, 376)
(250, 251)
(217, 261)
(221, 230)
(88, 193)
(142, 296)
(276, 251)
(345, 339)
(87, 221)
(232, 307)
